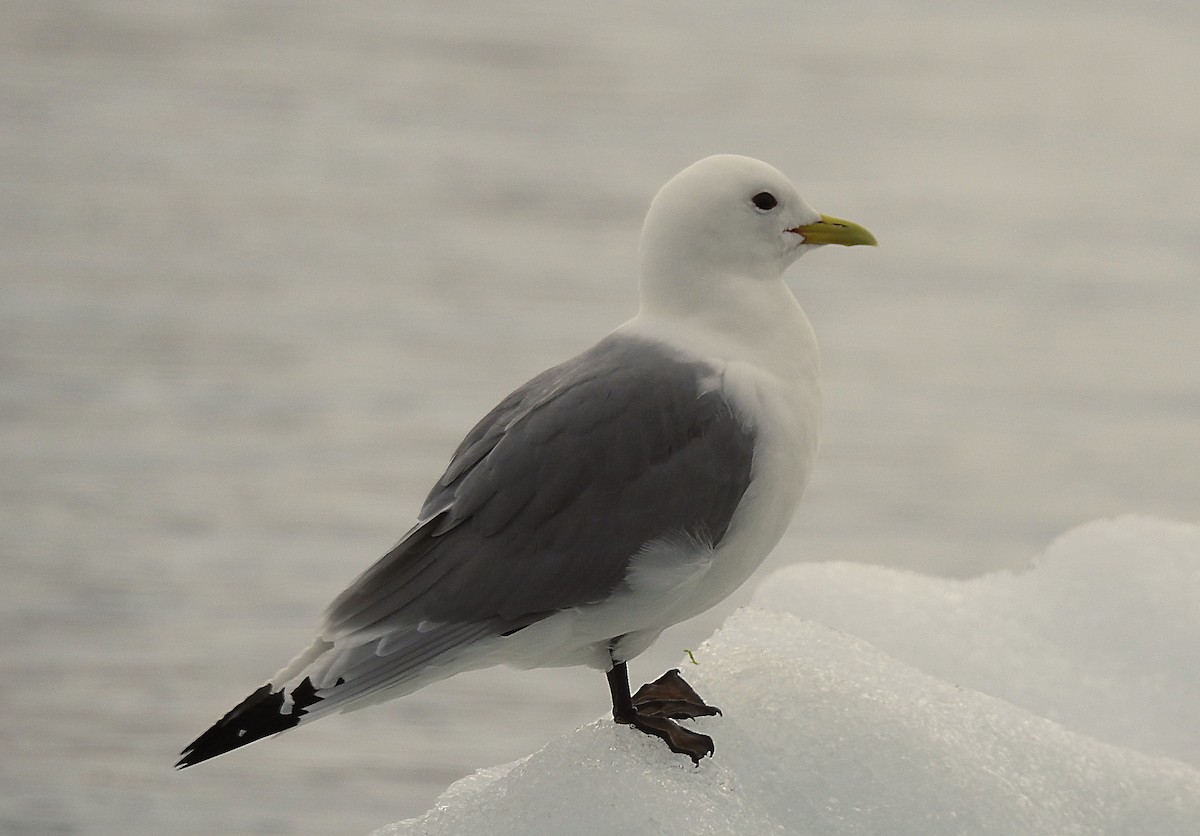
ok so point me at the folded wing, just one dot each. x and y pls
(542, 507)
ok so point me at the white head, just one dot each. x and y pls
(728, 218)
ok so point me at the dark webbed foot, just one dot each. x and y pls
(655, 707)
(678, 739)
(671, 696)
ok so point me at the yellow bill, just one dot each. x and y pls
(831, 230)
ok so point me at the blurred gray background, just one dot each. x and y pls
(263, 264)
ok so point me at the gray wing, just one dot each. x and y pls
(549, 497)
(542, 508)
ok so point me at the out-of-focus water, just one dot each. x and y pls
(264, 263)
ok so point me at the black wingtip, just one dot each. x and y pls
(256, 717)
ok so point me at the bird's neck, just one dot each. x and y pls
(739, 317)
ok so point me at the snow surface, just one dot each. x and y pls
(1016, 703)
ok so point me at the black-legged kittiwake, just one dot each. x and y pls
(628, 489)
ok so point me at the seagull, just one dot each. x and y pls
(628, 489)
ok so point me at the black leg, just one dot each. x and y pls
(618, 686)
(678, 739)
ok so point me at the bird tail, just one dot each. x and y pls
(265, 712)
(329, 678)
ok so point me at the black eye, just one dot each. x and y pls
(764, 201)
